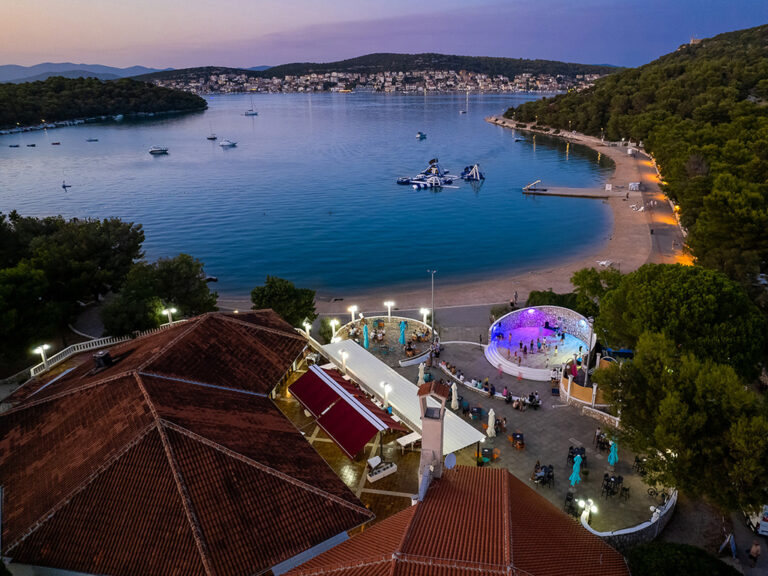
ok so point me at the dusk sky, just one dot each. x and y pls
(244, 33)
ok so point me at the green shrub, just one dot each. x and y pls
(667, 559)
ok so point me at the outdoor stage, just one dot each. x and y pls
(513, 341)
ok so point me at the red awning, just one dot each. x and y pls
(342, 410)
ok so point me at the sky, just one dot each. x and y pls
(245, 33)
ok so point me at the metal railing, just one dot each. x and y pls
(70, 351)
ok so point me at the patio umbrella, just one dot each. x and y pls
(613, 457)
(403, 324)
(574, 477)
(491, 424)
(454, 397)
(365, 336)
(421, 374)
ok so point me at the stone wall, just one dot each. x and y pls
(643, 533)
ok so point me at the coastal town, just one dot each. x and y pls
(417, 81)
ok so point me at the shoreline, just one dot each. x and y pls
(636, 237)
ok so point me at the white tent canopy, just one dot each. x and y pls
(369, 372)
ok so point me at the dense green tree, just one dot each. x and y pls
(293, 304)
(326, 330)
(701, 430)
(137, 306)
(701, 111)
(59, 98)
(669, 559)
(83, 259)
(26, 317)
(592, 284)
(180, 282)
(701, 311)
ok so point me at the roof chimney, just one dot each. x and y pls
(431, 464)
(102, 359)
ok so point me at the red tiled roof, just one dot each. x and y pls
(161, 465)
(473, 521)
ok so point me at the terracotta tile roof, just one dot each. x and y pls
(435, 388)
(124, 472)
(474, 521)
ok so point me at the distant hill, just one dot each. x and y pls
(373, 63)
(66, 74)
(59, 98)
(14, 73)
(702, 111)
(380, 62)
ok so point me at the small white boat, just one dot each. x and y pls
(91, 139)
(211, 137)
(462, 111)
(158, 150)
(227, 143)
(251, 111)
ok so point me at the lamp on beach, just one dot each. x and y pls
(334, 323)
(352, 310)
(170, 312)
(344, 356)
(424, 313)
(41, 350)
(389, 305)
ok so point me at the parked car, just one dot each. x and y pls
(758, 523)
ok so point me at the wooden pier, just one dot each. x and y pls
(573, 192)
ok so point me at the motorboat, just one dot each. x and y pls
(211, 137)
(91, 139)
(55, 143)
(158, 150)
(421, 136)
(13, 145)
(31, 145)
(227, 143)
(472, 174)
(462, 111)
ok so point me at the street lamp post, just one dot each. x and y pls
(424, 313)
(591, 322)
(170, 312)
(588, 508)
(41, 350)
(387, 389)
(352, 310)
(307, 326)
(334, 323)
(432, 272)
(389, 305)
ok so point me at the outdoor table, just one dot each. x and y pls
(408, 440)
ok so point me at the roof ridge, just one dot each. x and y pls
(64, 393)
(292, 333)
(383, 558)
(189, 326)
(201, 384)
(468, 565)
(186, 502)
(83, 485)
(260, 466)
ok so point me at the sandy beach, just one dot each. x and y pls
(637, 237)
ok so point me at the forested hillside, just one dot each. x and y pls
(60, 98)
(702, 111)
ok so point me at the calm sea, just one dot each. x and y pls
(309, 192)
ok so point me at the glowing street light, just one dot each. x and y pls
(41, 350)
(334, 323)
(389, 305)
(352, 310)
(424, 312)
(170, 312)
(307, 326)
(588, 508)
(387, 389)
(344, 356)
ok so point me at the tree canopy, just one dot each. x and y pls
(149, 288)
(701, 430)
(293, 304)
(59, 98)
(701, 111)
(701, 311)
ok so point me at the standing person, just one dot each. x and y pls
(501, 372)
(515, 297)
(598, 432)
(754, 552)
